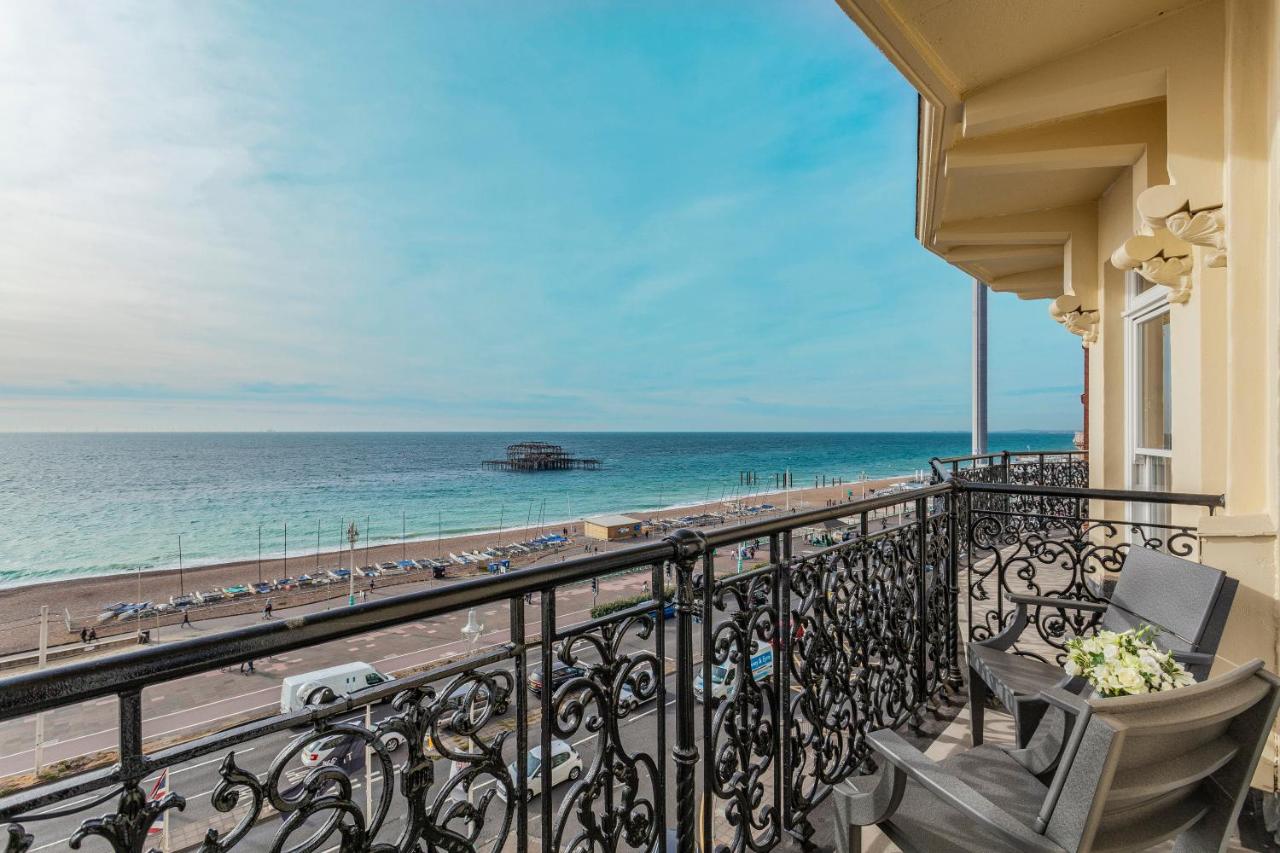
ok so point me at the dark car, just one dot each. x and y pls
(560, 673)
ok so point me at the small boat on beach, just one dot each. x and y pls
(111, 611)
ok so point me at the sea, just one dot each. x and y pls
(87, 504)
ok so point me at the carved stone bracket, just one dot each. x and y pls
(1078, 320)
(1167, 206)
(1162, 252)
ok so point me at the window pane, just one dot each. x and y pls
(1155, 387)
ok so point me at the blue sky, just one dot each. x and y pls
(448, 215)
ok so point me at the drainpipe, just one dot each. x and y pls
(979, 367)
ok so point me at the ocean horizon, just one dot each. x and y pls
(90, 504)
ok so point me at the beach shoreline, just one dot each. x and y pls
(84, 597)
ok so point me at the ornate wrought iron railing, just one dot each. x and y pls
(1057, 542)
(720, 717)
(1028, 468)
(779, 673)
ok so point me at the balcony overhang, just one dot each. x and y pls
(1027, 116)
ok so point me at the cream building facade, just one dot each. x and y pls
(1120, 160)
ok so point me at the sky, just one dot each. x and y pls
(449, 215)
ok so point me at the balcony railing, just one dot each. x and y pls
(722, 721)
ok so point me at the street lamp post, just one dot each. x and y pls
(353, 535)
(182, 588)
(471, 633)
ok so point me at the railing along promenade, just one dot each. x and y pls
(798, 659)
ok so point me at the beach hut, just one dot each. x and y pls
(611, 527)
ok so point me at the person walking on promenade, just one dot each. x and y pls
(84, 635)
(266, 611)
(93, 635)
(186, 619)
(246, 668)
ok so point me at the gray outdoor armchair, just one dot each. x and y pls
(1131, 772)
(1188, 603)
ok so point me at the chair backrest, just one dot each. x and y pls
(1148, 768)
(1188, 602)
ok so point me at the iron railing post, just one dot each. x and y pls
(688, 546)
(921, 615)
(131, 754)
(707, 809)
(660, 650)
(955, 678)
(548, 691)
(520, 648)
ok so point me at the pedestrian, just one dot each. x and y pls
(528, 597)
(266, 611)
(370, 584)
(84, 635)
(93, 635)
(186, 619)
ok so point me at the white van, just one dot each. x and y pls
(723, 678)
(325, 685)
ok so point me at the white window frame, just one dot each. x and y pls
(1140, 308)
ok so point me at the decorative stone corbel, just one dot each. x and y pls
(1162, 251)
(1160, 258)
(1078, 320)
(1167, 206)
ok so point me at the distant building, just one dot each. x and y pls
(611, 527)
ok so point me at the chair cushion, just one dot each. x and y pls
(1011, 676)
(926, 823)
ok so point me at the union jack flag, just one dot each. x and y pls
(159, 791)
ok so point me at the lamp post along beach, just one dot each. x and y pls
(353, 535)
(471, 633)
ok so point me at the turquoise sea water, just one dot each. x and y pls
(91, 504)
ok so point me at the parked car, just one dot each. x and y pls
(566, 765)
(339, 750)
(628, 698)
(560, 674)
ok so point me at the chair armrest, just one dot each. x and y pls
(1070, 702)
(1065, 603)
(904, 762)
(1193, 659)
(1006, 639)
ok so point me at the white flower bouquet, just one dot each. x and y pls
(1124, 664)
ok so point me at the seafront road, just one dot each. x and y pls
(214, 699)
(219, 698)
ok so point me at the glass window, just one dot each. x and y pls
(1149, 386)
(1155, 388)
